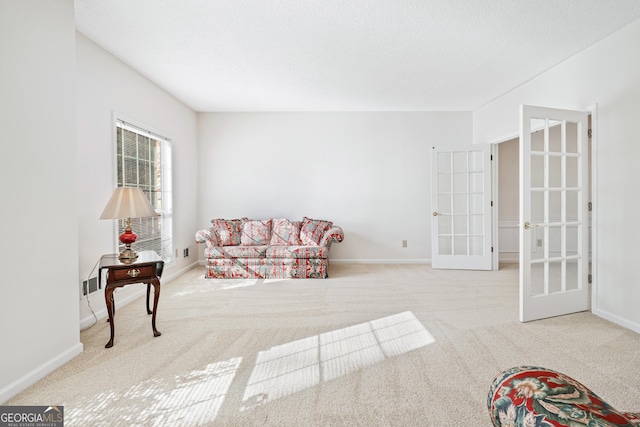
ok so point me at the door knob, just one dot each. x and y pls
(435, 214)
(528, 225)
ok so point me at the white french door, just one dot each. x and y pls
(461, 202)
(553, 212)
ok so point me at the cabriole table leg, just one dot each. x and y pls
(156, 296)
(108, 296)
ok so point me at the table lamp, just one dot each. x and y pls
(127, 203)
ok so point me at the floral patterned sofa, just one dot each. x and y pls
(271, 248)
(530, 396)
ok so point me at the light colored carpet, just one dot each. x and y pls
(373, 345)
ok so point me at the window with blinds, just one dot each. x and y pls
(144, 160)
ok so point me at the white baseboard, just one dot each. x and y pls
(617, 320)
(509, 257)
(40, 372)
(177, 273)
(379, 261)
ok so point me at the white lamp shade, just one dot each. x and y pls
(128, 202)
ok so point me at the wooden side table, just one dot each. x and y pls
(147, 268)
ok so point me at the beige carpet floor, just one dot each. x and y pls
(373, 345)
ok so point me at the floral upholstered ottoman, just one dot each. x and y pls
(530, 396)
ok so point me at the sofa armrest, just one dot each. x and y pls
(334, 234)
(209, 237)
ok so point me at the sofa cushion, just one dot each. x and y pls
(307, 252)
(285, 232)
(256, 233)
(312, 230)
(236, 252)
(228, 231)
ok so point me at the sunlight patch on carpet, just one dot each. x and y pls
(193, 398)
(298, 365)
(203, 286)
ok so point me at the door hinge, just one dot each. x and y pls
(491, 249)
(492, 203)
(590, 206)
(589, 279)
(492, 157)
(589, 133)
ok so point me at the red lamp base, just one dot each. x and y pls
(128, 237)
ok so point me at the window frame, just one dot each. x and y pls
(166, 212)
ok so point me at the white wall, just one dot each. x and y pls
(38, 169)
(367, 172)
(104, 85)
(606, 74)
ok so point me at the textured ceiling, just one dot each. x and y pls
(346, 55)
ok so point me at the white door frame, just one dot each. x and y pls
(495, 178)
(593, 111)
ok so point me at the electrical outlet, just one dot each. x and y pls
(404, 243)
(185, 253)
